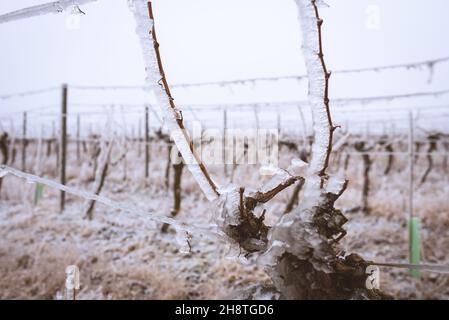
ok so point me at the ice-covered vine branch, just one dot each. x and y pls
(157, 81)
(302, 255)
(147, 216)
(318, 87)
(42, 9)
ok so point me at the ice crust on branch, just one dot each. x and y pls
(172, 116)
(317, 89)
(42, 9)
(303, 257)
(298, 232)
(208, 231)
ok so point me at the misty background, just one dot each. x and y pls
(203, 41)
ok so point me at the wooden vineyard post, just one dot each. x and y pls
(63, 145)
(178, 166)
(304, 128)
(24, 140)
(413, 222)
(225, 129)
(278, 122)
(177, 175)
(367, 129)
(78, 146)
(147, 142)
(256, 117)
(133, 136)
(56, 142)
(167, 168)
(12, 145)
(4, 141)
(139, 137)
(279, 131)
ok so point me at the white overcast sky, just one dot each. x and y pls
(206, 40)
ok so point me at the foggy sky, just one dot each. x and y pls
(207, 40)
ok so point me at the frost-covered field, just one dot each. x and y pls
(124, 256)
(360, 181)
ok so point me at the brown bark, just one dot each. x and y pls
(347, 159)
(100, 178)
(367, 163)
(445, 158)
(179, 119)
(432, 140)
(4, 141)
(177, 191)
(306, 263)
(390, 161)
(294, 199)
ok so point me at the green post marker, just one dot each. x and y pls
(38, 193)
(413, 222)
(415, 246)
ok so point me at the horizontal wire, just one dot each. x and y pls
(413, 65)
(421, 267)
(28, 93)
(302, 103)
(230, 82)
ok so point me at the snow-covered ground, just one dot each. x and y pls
(122, 255)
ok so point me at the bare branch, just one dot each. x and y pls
(100, 177)
(156, 76)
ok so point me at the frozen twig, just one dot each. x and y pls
(318, 88)
(100, 177)
(281, 180)
(432, 140)
(361, 146)
(156, 78)
(42, 9)
(241, 214)
(129, 208)
(302, 258)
